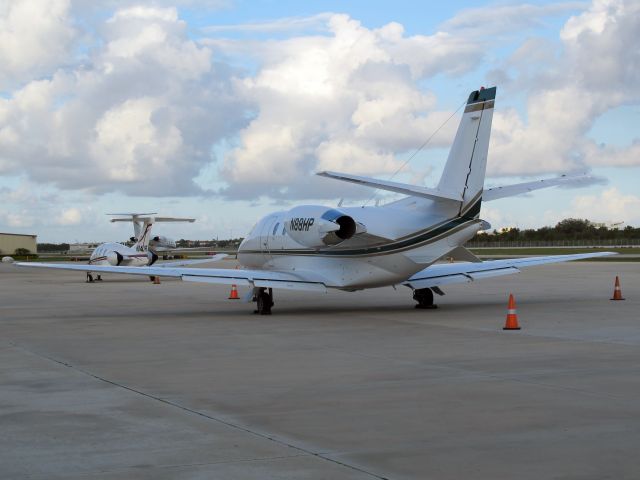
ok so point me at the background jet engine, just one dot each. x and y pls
(152, 257)
(159, 243)
(114, 258)
(318, 226)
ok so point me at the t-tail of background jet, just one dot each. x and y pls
(466, 165)
(142, 225)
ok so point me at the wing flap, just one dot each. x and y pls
(436, 281)
(289, 285)
(217, 280)
(182, 263)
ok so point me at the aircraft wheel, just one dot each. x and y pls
(264, 303)
(424, 297)
(89, 278)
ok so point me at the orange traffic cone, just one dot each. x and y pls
(512, 316)
(156, 280)
(233, 295)
(617, 293)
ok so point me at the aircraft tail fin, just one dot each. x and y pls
(462, 180)
(143, 233)
(466, 165)
(142, 224)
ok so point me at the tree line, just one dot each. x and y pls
(567, 229)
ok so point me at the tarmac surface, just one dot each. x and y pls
(128, 380)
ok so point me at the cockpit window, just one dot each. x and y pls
(275, 229)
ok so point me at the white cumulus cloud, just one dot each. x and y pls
(35, 36)
(138, 115)
(598, 69)
(347, 100)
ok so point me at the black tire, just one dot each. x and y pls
(264, 303)
(424, 297)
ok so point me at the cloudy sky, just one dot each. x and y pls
(222, 110)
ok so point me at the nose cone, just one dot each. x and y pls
(325, 226)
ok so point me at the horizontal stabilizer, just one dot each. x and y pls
(404, 188)
(520, 188)
(153, 219)
(132, 214)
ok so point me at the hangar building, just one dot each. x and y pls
(9, 242)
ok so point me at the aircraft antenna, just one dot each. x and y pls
(419, 149)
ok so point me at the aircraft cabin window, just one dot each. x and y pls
(275, 229)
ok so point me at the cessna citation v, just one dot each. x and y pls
(138, 255)
(315, 248)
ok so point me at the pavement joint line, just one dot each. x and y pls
(227, 423)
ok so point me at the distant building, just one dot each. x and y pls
(9, 242)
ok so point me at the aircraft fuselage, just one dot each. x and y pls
(395, 242)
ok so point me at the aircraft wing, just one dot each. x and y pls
(448, 273)
(520, 188)
(253, 278)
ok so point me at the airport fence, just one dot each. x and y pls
(614, 242)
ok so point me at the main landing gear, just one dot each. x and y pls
(264, 300)
(90, 278)
(424, 297)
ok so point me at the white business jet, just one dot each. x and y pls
(315, 248)
(138, 255)
(158, 243)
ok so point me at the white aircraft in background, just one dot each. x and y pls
(138, 255)
(315, 248)
(157, 243)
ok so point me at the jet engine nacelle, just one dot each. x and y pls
(163, 242)
(318, 226)
(152, 258)
(114, 258)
